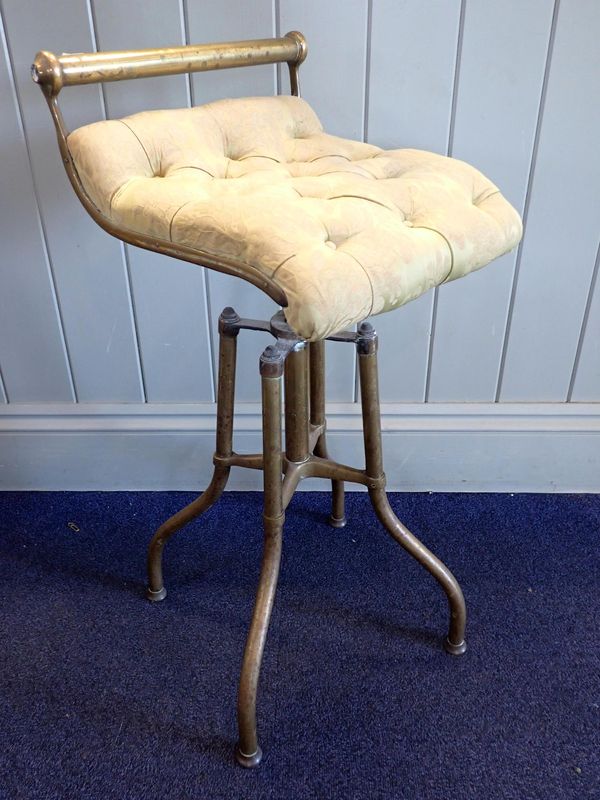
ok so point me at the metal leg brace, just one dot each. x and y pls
(302, 367)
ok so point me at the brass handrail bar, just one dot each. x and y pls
(54, 72)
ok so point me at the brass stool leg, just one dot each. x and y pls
(367, 360)
(225, 397)
(248, 752)
(337, 518)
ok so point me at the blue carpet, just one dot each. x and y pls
(104, 695)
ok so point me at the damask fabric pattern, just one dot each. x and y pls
(345, 228)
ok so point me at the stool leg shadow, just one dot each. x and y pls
(367, 362)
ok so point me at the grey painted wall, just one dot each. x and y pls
(511, 87)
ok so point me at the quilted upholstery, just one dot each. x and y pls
(346, 229)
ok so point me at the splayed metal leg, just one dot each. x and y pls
(248, 752)
(304, 456)
(367, 362)
(228, 332)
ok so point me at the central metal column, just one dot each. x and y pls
(296, 404)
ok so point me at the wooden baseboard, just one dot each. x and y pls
(432, 447)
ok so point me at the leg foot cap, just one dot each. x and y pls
(156, 596)
(455, 649)
(248, 761)
(337, 522)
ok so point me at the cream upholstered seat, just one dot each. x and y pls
(344, 228)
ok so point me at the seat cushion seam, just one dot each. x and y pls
(129, 128)
(258, 155)
(193, 166)
(368, 278)
(187, 203)
(278, 267)
(362, 197)
(434, 230)
(329, 155)
(483, 196)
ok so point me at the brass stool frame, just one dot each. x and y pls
(300, 364)
(302, 367)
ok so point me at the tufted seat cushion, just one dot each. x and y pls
(344, 228)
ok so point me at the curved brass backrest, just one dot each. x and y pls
(53, 72)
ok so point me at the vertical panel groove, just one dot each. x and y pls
(211, 337)
(93, 28)
(3, 392)
(123, 247)
(456, 80)
(40, 222)
(185, 37)
(277, 33)
(134, 319)
(534, 151)
(367, 85)
(451, 126)
(367, 70)
(584, 322)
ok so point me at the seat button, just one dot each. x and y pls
(331, 244)
(408, 223)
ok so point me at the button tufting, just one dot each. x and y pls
(290, 197)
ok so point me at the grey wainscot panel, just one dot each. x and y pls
(33, 359)
(91, 276)
(169, 296)
(560, 247)
(501, 74)
(411, 85)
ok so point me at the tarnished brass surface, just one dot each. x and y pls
(337, 518)
(296, 414)
(304, 367)
(74, 69)
(224, 444)
(366, 345)
(305, 456)
(248, 752)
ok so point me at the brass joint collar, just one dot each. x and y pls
(273, 358)
(376, 483)
(302, 45)
(47, 71)
(272, 361)
(229, 322)
(278, 520)
(366, 339)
